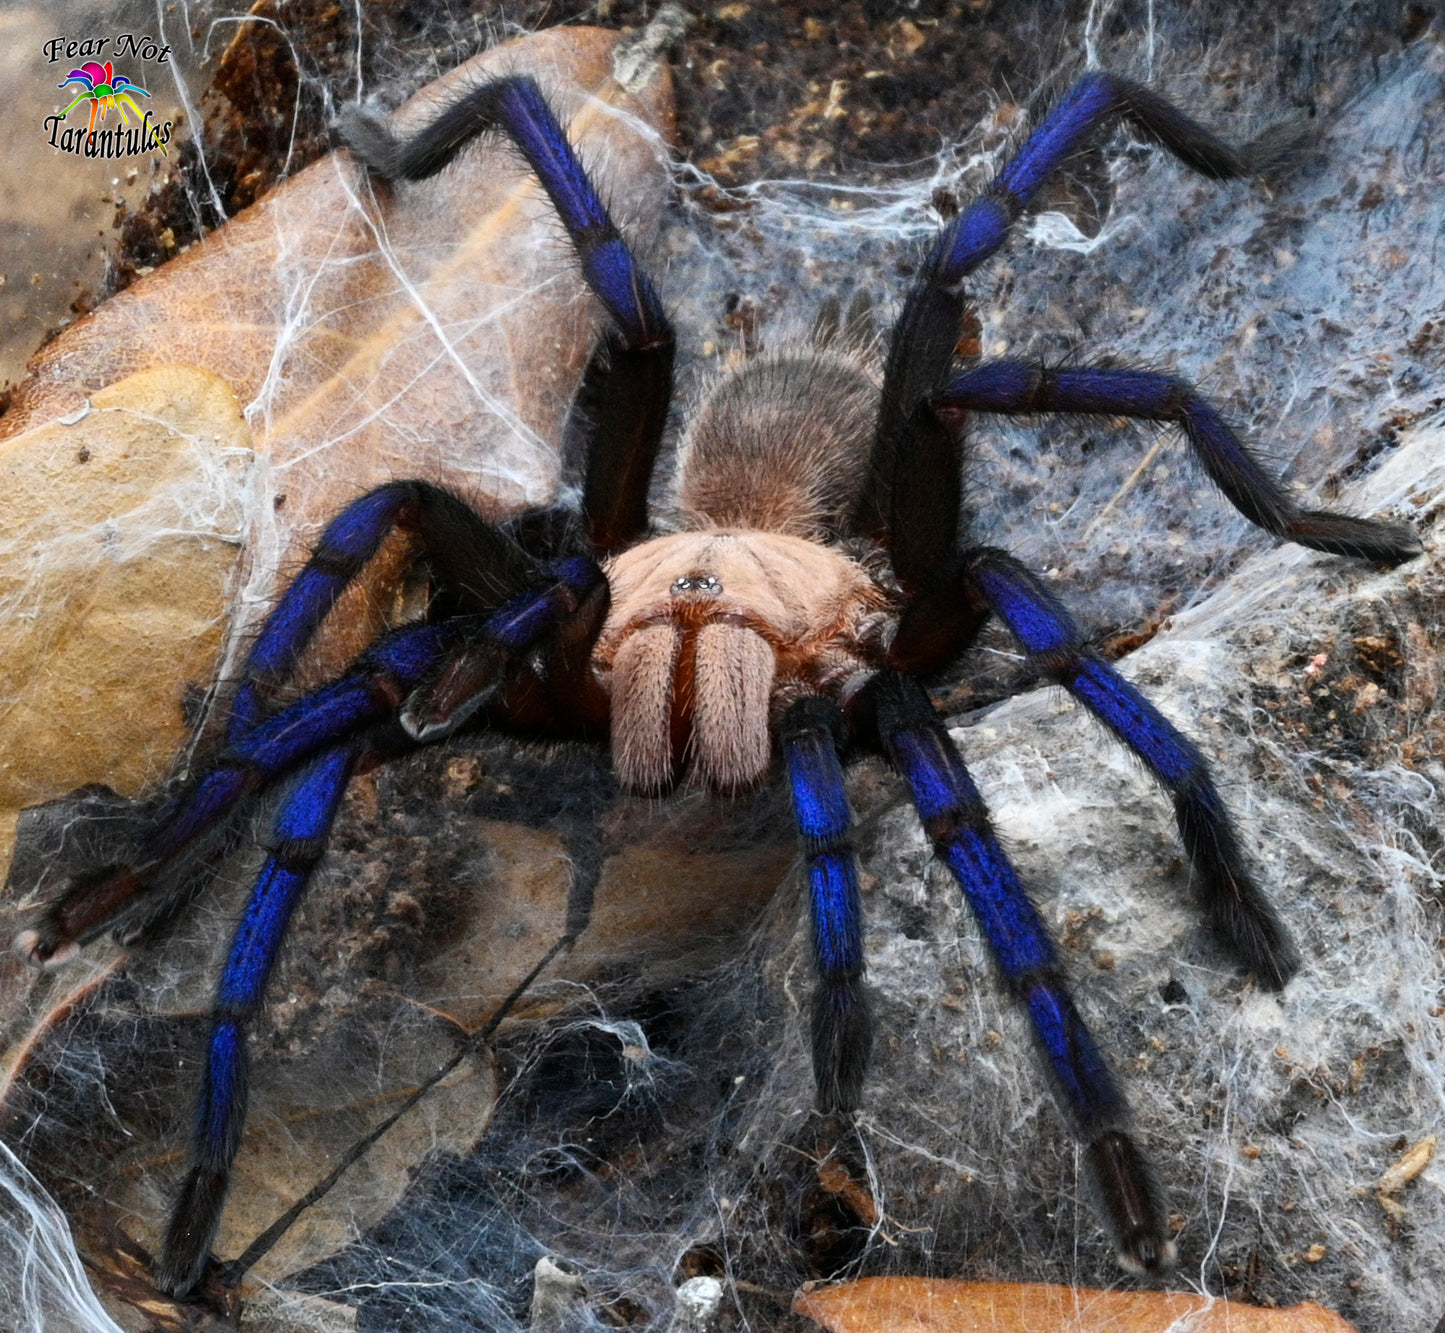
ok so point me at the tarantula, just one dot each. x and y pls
(816, 576)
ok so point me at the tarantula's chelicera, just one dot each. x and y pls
(816, 575)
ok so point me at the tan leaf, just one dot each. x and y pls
(120, 529)
(931, 1305)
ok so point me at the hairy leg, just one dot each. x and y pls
(953, 815)
(1233, 903)
(1017, 387)
(434, 674)
(633, 376)
(811, 732)
(924, 339)
(296, 841)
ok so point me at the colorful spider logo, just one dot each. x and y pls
(107, 90)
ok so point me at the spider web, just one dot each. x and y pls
(651, 1120)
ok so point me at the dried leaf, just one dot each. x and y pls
(370, 331)
(1407, 1166)
(120, 529)
(929, 1305)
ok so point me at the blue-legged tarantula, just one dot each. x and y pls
(756, 628)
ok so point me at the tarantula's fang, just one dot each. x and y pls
(467, 682)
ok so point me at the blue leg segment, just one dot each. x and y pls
(367, 695)
(517, 107)
(462, 660)
(299, 831)
(633, 373)
(1234, 904)
(607, 263)
(459, 546)
(811, 731)
(954, 817)
(979, 230)
(350, 540)
(1013, 387)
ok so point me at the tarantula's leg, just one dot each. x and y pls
(299, 831)
(635, 388)
(436, 674)
(811, 732)
(956, 821)
(1235, 906)
(925, 338)
(1017, 387)
(379, 680)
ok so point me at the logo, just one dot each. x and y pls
(103, 90)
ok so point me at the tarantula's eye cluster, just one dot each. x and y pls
(703, 584)
(708, 631)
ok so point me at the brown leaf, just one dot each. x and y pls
(931, 1305)
(120, 529)
(372, 331)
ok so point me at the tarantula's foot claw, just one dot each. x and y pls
(1145, 1254)
(43, 949)
(1254, 934)
(1130, 1200)
(77, 916)
(435, 710)
(194, 1223)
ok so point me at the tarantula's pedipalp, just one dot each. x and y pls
(1016, 387)
(896, 710)
(476, 566)
(456, 541)
(811, 733)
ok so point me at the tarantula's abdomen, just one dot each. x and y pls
(781, 445)
(705, 630)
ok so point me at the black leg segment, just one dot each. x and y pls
(1233, 903)
(924, 340)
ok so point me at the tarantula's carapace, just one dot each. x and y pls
(812, 570)
(710, 634)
